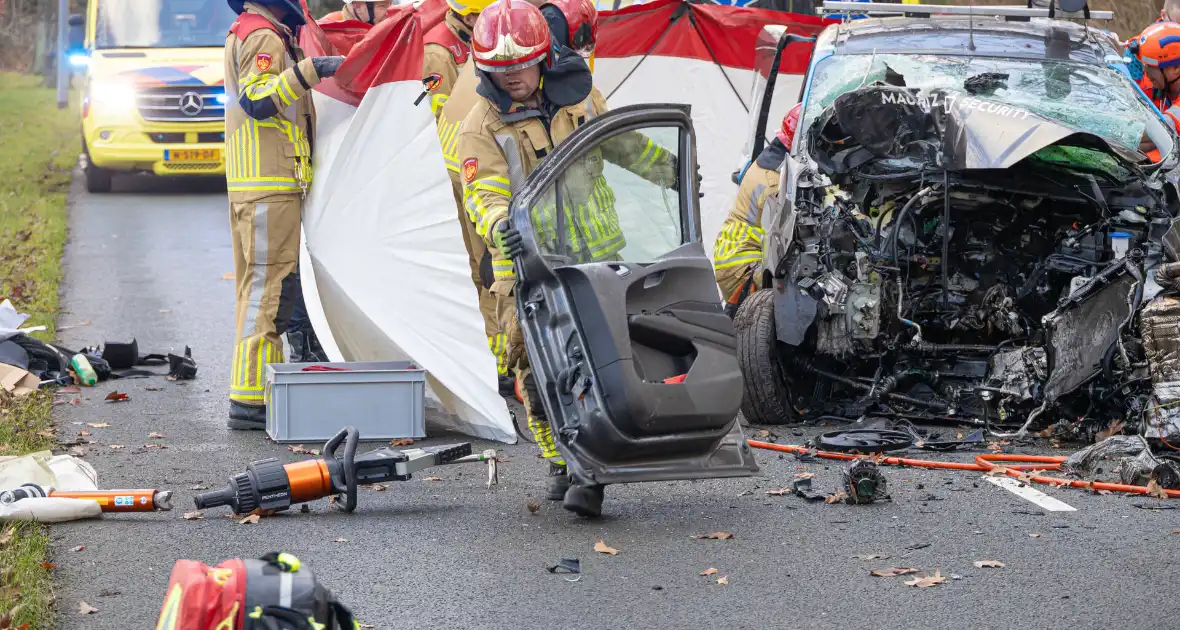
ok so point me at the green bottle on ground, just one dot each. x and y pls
(84, 371)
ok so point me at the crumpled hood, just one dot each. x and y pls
(941, 128)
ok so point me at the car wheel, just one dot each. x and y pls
(765, 397)
(98, 180)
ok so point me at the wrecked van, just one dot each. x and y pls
(976, 225)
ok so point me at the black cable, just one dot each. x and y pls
(675, 16)
(946, 239)
(692, 20)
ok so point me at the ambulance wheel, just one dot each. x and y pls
(585, 501)
(765, 396)
(98, 180)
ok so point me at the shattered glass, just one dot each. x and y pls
(1083, 97)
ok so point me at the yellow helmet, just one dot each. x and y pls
(467, 7)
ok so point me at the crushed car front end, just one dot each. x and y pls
(971, 232)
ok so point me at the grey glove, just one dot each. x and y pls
(326, 66)
(507, 239)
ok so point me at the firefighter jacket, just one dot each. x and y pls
(501, 142)
(269, 116)
(739, 244)
(446, 53)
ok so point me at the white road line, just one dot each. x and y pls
(1036, 496)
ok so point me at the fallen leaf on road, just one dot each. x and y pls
(118, 447)
(194, 516)
(229, 275)
(1034, 535)
(892, 572)
(713, 536)
(84, 432)
(533, 506)
(75, 401)
(709, 571)
(199, 486)
(1154, 490)
(378, 487)
(871, 556)
(78, 451)
(154, 389)
(996, 447)
(97, 425)
(71, 389)
(723, 580)
(155, 445)
(432, 479)
(48, 565)
(401, 442)
(303, 450)
(1102, 492)
(804, 475)
(1047, 432)
(6, 537)
(988, 564)
(86, 609)
(156, 436)
(339, 540)
(763, 433)
(780, 492)
(117, 397)
(1114, 428)
(928, 581)
(365, 625)
(78, 548)
(602, 547)
(251, 520)
(69, 326)
(836, 498)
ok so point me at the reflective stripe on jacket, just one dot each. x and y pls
(267, 120)
(445, 54)
(739, 243)
(497, 152)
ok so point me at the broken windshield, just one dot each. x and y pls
(1085, 97)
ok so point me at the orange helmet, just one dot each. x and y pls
(509, 35)
(786, 135)
(582, 17)
(1159, 45)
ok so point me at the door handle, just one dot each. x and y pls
(654, 279)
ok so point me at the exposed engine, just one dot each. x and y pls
(1024, 296)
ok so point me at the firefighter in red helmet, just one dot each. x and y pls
(517, 121)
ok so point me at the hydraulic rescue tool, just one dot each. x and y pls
(110, 500)
(268, 484)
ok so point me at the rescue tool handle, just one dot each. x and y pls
(351, 439)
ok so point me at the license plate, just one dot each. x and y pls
(193, 155)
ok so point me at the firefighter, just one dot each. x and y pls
(737, 253)
(514, 124)
(447, 49)
(269, 122)
(367, 11)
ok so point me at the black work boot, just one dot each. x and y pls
(246, 417)
(507, 386)
(315, 352)
(559, 482)
(297, 342)
(584, 500)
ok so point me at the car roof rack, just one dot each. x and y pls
(1012, 13)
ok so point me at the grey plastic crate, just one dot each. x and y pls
(383, 400)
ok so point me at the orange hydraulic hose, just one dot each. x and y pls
(983, 463)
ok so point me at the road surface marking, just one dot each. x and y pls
(1036, 496)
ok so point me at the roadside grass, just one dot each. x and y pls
(41, 144)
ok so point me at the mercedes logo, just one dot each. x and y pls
(191, 103)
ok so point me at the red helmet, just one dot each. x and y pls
(582, 17)
(786, 135)
(509, 35)
(1159, 45)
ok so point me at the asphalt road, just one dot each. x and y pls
(147, 262)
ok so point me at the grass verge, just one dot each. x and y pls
(41, 144)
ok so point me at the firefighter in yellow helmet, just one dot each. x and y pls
(518, 121)
(370, 12)
(269, 122)
(447, 50)
(737, 252)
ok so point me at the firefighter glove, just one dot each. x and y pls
(506, 239)
(326, 66)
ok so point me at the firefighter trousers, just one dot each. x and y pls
(266, 252)
(478, 260)
(530, 396)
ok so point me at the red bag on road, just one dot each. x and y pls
(273, 593)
